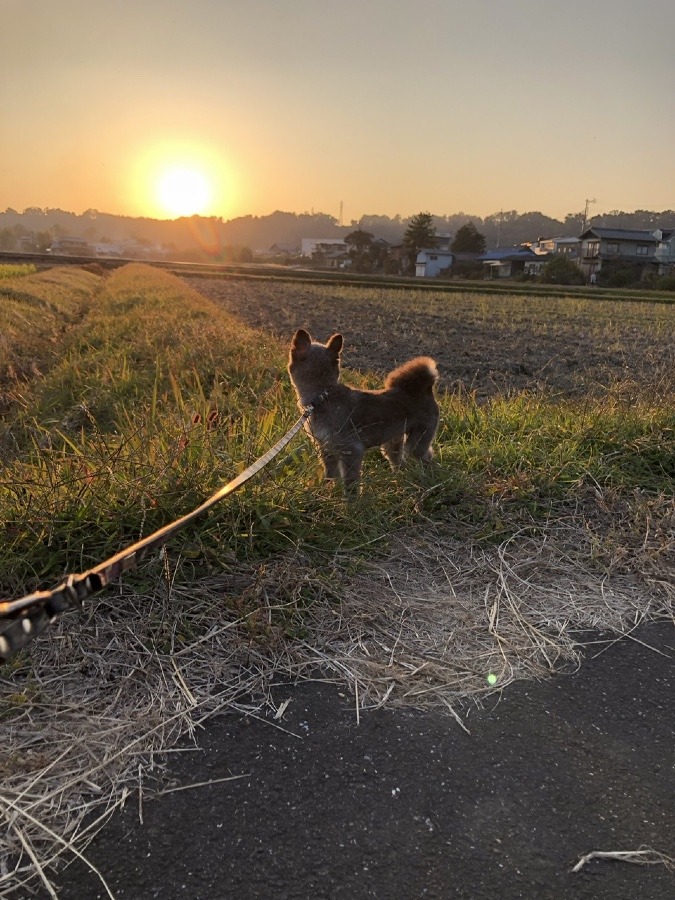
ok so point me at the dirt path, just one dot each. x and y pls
(407, 805)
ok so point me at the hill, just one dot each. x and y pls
(202, 237)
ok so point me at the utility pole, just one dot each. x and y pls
(341, 208)
(588, 202)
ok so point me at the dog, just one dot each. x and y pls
(401, 419)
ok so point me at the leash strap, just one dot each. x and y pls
(30, 615)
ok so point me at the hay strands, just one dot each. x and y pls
(642, 857)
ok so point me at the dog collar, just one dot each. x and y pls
(317, 401)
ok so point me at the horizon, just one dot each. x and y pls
(316, 213)
(164, 111)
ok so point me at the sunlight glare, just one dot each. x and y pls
(183, 191)
(174, 177)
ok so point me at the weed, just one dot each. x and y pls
(10, 270)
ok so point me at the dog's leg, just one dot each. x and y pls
(331, 463)
(351, 460)
(393, 451)
(418, 443)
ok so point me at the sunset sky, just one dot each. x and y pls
(230, 107)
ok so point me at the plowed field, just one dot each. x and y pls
(490, 344)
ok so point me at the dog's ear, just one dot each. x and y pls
(335, 344)
(302, 341)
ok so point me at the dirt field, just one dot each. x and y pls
(487, 344)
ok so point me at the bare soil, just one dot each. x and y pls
(487, 344)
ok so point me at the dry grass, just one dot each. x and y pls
(103, 702)
(645, 856)
(420, 617)
(423, 625)
(432, 621)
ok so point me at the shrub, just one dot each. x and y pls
(619, 274)
(561, 270)
(664, 283)
(470, 268)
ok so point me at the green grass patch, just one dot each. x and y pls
(10, 270)
(36, 313)
(157, 397)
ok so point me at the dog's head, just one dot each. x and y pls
(314, 367)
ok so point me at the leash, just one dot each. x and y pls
(30, 615)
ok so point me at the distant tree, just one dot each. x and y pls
(574, 223)
(561, 270)
(468, 240)
(8, 239)
(509, 228)
(419, 235)
(245, 254)
(41, 241)
(361, 248)
(359, 240)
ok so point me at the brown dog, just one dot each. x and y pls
(401, 419)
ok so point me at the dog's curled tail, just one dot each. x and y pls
(414, 377)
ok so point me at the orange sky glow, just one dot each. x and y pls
(390, 107)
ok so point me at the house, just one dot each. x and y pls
(382, 245)
(606, 245)
(562, 246)
(324, 245)
(112, 251)
(665, 250)
(282, 249)
(71, 246)
(432, 262)
(333, 259)
(508, 261)
(330, 252)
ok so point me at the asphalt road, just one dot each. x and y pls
(407, 805)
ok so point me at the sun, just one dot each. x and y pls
(183, 191)
(173, 177)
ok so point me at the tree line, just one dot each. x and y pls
(210, 237)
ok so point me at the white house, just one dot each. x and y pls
(564, 246)
(326, 245)
(430, 263)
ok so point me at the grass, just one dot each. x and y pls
(36, 312)
(9, 270)
(276, 273)
(146, 398)
(132, 398)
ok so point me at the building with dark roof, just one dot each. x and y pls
(600, 246)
